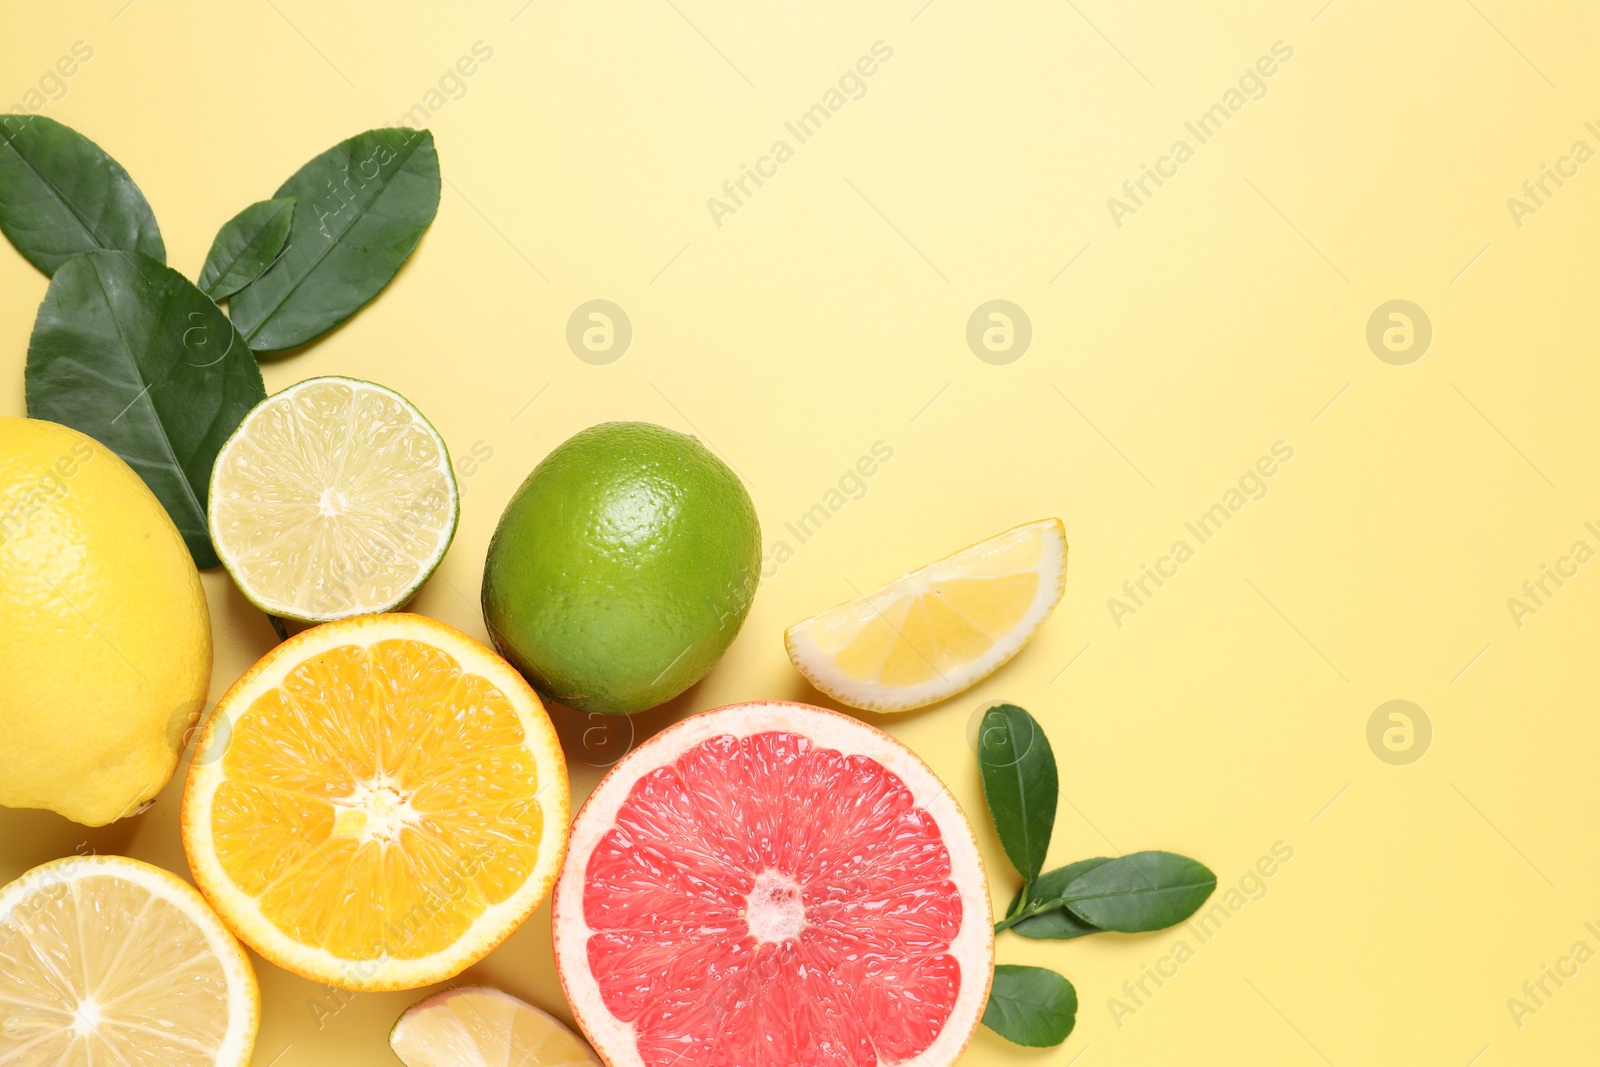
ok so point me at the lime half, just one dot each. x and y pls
(333, 498)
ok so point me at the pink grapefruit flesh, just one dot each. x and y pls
(774, 884)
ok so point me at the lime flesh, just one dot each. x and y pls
(333, 498)
(622, 568)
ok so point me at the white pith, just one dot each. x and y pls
(320, 517)
(88, 1014)
(973, 945)
(986, 559)
(243, 912)
(376, 809)
(773, 910)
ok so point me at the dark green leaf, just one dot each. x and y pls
(1019, 782)
(60, 194)
(1053, 921)
(362, 206)
(132, 354)
(1031, 1006)
(245, 246)
(1144, 891)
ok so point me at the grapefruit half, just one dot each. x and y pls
(774, 884)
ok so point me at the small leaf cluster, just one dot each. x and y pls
(1129, 894)
(130, 352)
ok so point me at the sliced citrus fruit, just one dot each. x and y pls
(938, 630)
(774, 884)
(106, 960)
(476, 1026)
(333, 498)
(377, 803)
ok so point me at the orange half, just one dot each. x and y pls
(377, 803)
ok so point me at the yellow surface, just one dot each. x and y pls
(830, 312)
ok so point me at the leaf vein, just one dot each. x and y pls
(332, 244)
(138, 371)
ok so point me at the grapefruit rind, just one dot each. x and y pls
(244, 994)
(243, 915)
(973, 946)
(813, 657)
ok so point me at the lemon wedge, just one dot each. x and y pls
(938, 630)
(476, 1026)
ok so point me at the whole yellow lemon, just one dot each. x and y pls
(105, 639)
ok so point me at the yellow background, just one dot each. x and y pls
(829, 312)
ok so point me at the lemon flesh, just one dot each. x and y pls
(105, 638)
(333, 498)
(109, 960)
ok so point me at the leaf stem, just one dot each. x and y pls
(1021, 900)
(1028, 911)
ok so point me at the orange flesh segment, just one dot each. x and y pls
(378, 801)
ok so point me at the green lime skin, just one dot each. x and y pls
(622, 568)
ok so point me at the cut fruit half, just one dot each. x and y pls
(333, 498)
(773, 885)
(476, 1026)
(938, 630)
(377, 803)
(106, 960)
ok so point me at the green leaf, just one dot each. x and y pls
(132, 354)
(1046, 916)
(1031, 1006)
(1144, 891)
(245, 246)
(1019, 782)
(60, 194)
(362, 207)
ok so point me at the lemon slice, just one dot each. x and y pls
(333, 498)
(377, 803)
(937, 630)
(475, 1026)
(106, 960)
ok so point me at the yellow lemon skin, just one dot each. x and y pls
(105, 638)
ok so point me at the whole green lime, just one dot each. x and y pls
(622, 568)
